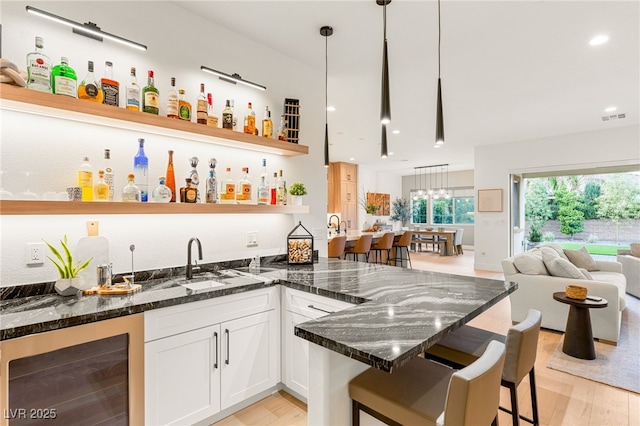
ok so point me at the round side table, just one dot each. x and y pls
(578, 338)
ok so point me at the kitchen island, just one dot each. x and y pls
(398, 314)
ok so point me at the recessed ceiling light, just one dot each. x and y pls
(437, 146)
(331, 108)
(610, 109)
(395, 132)
(391, 153)
(352, 159)
(598, 40)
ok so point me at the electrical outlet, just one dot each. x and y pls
(252, 238)
(35, 254)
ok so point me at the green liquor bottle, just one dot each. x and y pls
(150, 97)
(64, 80)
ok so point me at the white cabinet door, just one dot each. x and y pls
(295, 374)
(182, 377)
(250, 356)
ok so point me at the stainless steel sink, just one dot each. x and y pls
(221, 278)
(201, 285)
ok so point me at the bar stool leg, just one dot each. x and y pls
(534, 397)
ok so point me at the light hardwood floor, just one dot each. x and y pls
(563, 399)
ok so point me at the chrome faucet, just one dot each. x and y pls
(337, 217)
(189, 268)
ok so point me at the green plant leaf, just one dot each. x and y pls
(83, 266)
(60, 269)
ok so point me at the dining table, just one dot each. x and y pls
(448, 234)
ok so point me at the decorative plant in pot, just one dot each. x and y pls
(297, 191)
(69, 283)
(400, 210)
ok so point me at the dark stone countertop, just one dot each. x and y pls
(399, 313)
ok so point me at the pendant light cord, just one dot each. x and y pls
(384, 20)
(439, 38)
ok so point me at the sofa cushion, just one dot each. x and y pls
(586, 274)
(530, 264)
(635, 249)
(613, 278)
(559, 267)
(582, 259)
(557, 248)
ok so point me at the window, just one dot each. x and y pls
(418, 210)
(442, 211)
(463, 208)
(459, 209)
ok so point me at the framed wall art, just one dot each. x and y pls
(489, 200)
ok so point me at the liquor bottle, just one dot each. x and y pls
(131, 193)
(184, 107)
(244, 191)
(89, 89)
(281, 190)
(172, 100)
(133, 92)
(110, 87)
(161, 193)
(39, 69)
(201, 106)
(282, 130)
(85, 180)
(101, 189)
(150, 97)
(188, 194)
(171, 178)
(234, 121)
(212, 183)
(227, 116)
(195, 178)
(141, 169)
(212, 120)
(250, 120)
(64, 80)
(267, 124)
(263, 187)
(273, 190)
(108, 173)
(228, 189)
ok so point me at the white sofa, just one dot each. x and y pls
(536, 291)
(631, 270)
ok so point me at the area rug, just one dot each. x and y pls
(617, 366)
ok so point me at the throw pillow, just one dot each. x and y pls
(557, 247)
(586, 274)
(582, 259)
(563, 268)
(530, 264)
(635, 249)
(548, 253)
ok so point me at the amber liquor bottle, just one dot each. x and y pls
(201, 106)
(110, 87)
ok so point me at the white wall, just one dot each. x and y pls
(379, 182)
(493, 165)
(53, 149)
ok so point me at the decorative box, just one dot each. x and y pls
(300, 246)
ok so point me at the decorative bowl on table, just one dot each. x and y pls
(576, 292)
(429, 228)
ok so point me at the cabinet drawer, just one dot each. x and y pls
(165, 322)
(311, 305)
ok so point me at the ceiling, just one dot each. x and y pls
(511, 70)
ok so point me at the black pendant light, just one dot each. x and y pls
(385, 106)
(326, 31)
(439, 115)
(383, 147)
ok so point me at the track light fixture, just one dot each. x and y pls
(326, 32)
(385, 106)
(232, 78)
(88, 29)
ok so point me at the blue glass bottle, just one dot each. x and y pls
(141, 170)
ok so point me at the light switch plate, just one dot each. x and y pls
(252, 238)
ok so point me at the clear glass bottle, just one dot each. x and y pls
(161, 193)
(141, 169)
(39, 69)
(172, 100)
(108, 173)
(133, 92)
(201, 106)
(110, 87)
(212, 119)
(249, 120)
(281, 190)
(184, 107)
(89, 89)
(267, 124)
(171, 177)
(101, 188)
(263, 187)
(131, 193)
(228, 189)
(150, 96)
(244, 189)
(282, 129)
(188, 193)
(64, 80)
(85, 180)
(273, 190)
(212, 183)
(195, 177)
(227, 116)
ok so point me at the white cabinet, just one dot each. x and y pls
(299, 307)
(203, 357)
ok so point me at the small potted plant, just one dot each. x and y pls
(69, 283)
(297, 191)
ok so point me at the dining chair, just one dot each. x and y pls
(457, 241)
(336, 247)
(402, 244)
(424, 392)
(384, 244)
(467, 343)
(362, 246)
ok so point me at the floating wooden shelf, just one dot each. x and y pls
(19, 207)
(31, 101)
